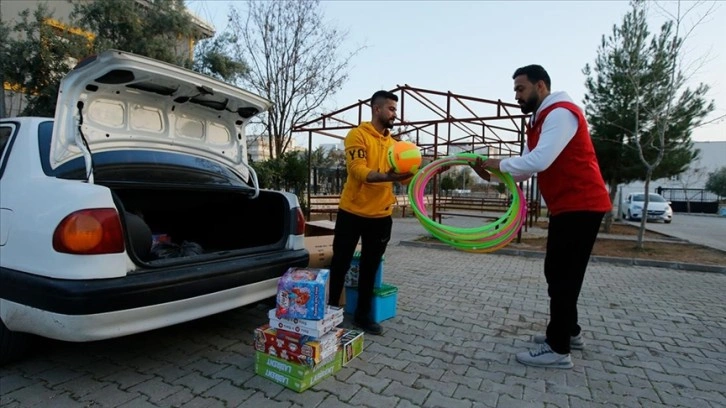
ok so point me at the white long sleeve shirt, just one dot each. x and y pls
(558, 129)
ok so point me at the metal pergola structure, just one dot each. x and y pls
(440, 123)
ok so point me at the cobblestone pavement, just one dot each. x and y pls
(655, 337)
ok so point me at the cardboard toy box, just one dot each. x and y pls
(295, 347)
(294, 376)
(303, 293)
(384, 302)
(331, 313)
(352, 345)
(313, 328)
(319, 228)
(320, 250)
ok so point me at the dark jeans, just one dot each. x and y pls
(570, 239)
(374, 234)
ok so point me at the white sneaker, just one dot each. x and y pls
(543, 356)
(576, 342)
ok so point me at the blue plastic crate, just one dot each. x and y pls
(351, 278)
(384, 302)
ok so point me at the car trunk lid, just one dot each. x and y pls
(122, 101)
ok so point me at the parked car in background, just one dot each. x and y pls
(134, 208)
(658, 208)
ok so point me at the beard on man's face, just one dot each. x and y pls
(530, 104)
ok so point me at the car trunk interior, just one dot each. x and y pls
(184, 223)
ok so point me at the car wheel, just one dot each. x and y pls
(667, 221)
(13, 345)
(629, 217)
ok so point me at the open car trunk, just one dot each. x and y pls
(170, 225)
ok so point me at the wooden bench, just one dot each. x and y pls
(402, 203)
(472, 203)
(439, 214)
(324, 204)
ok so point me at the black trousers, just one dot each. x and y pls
(374, 234)
(570, 239)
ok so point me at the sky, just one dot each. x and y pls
(473, 47)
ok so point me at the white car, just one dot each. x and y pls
(135, 208)
(658, 208)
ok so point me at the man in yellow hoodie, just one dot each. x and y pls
(366, 205)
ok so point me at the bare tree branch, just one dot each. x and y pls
(296, 59)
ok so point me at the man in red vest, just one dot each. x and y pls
(559, 150)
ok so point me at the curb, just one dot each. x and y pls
(681, 266)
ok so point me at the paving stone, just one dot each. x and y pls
(407, 392)
(375, 384)
(110, 396)
(197, 382)
(425, 372)
(437, 400)
(367, 398)
(12, 381)
(343, 390)
(229, 394)
(399, 376)
(506, 401)
(478, 398)
(155, 389)
(138, 402)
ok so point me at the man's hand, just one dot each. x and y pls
(393, 176)
(480, 167)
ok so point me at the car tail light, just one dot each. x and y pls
(87, 232)
(300, 224)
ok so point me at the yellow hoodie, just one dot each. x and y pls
(365, 150)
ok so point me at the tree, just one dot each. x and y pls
(156, 29)
(716, 182)
(5, 55)
(37, 57)
(640, 113)
(447, 184)
(214, 57)
(38, 53)
(295, 61)
(288, 173)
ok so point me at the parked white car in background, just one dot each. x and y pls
(658, 208)
(135, 208)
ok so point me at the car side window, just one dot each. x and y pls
(6, 132)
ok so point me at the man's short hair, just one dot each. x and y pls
(379, 96)
(534, 73)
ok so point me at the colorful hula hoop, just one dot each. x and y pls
(486, 238)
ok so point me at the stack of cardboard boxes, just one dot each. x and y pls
(302, 344)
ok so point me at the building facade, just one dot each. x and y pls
(690, 185)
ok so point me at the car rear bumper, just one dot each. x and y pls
(653, 217)
(154, 299)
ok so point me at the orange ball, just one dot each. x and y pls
(404, 157)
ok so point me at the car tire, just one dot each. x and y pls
(13, 345)
(667, 221)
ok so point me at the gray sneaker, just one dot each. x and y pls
(543, 356)
(576, 342)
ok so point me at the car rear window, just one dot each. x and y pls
(6, 133)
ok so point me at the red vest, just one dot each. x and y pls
(573, 182)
